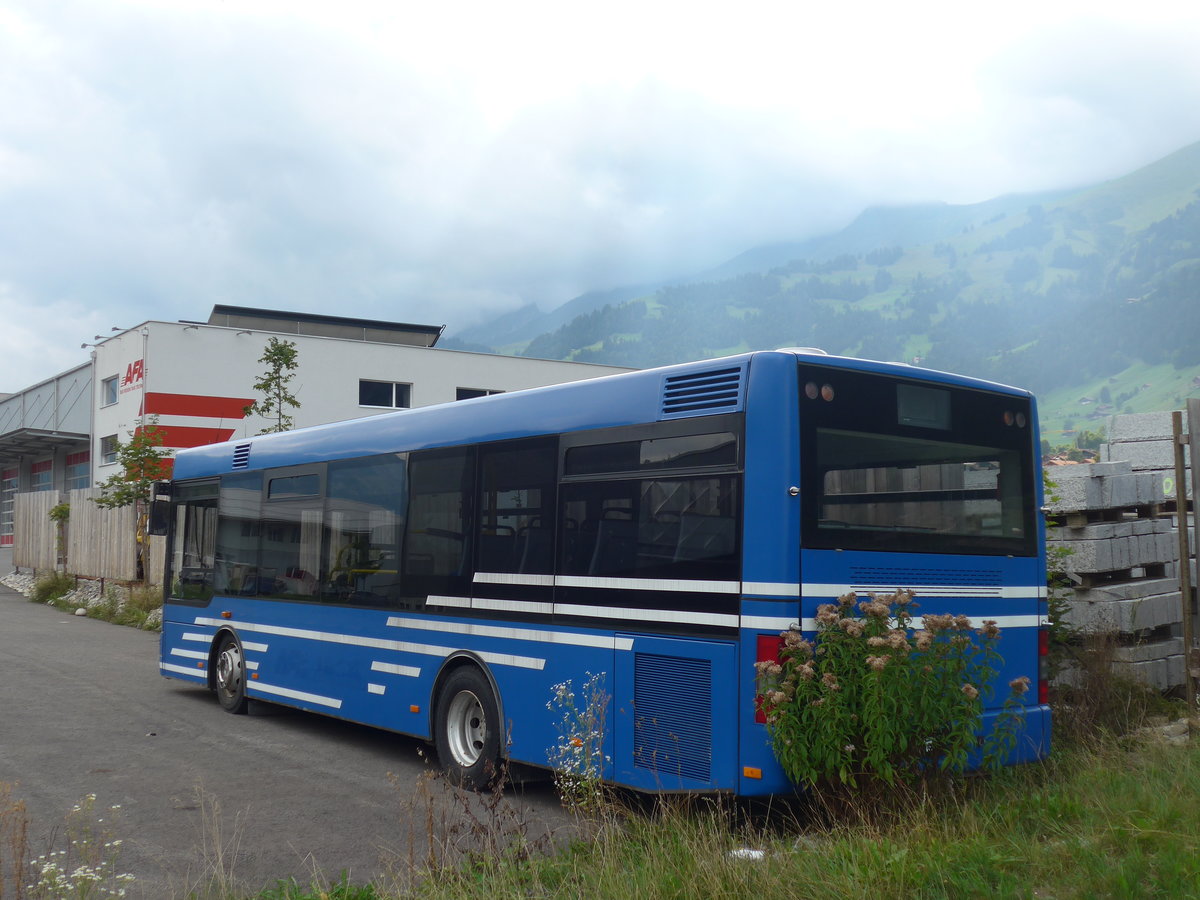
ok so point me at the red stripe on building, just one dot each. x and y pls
(158, 404)
(75, 459)
(180, 436)
(44, 465)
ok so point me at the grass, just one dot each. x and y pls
(1108, 822)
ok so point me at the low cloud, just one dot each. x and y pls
(156, 159)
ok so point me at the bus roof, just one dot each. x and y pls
(706, 387)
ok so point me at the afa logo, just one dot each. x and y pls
(135, 372)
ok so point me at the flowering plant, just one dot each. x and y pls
(875, 699)
(578, 755)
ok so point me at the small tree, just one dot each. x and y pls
(141, 462)
(275, 385)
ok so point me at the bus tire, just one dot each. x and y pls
(467, 732)
(230, 676)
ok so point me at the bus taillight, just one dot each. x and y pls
(768, 648)
(1043, 660)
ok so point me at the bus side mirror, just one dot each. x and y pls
(160, 508)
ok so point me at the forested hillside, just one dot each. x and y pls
(1088, 297)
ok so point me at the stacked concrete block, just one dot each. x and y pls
(1145, 441)
(1097, 487)
(1106, 514)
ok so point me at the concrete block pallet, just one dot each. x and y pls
(1107, 516)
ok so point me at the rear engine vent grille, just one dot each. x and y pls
(241, 456)
(930, 582)
(703, 393)
(673, 715)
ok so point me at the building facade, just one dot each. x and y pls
(194, 380)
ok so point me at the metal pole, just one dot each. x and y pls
(1193, 411)
(1185, 565)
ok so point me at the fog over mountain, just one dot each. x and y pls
(1086, 296)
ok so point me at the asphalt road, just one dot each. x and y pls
(204, 796)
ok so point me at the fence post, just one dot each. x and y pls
(1185, 557)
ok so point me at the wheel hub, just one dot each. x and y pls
(466, 730)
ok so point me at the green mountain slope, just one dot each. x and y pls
(1089, 297)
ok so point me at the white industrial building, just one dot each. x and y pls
(196, 378)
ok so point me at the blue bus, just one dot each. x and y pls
(438, 571)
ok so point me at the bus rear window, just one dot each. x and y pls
(882, 486)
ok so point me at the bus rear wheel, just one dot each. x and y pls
(231, 675)
(467, 731)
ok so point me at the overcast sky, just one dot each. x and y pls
(439, 162)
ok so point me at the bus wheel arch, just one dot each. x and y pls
(467, 722)
(227, 672)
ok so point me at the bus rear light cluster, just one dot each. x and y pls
(1015, 418)
(825, 391)
(768, 648)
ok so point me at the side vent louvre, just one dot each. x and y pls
(929, 582)
(703, 393)
(673, 715)
(241, 456)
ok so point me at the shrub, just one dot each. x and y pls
(872, 703)
(51, 587)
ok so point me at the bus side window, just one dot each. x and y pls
(193, 548)
(516, 507)
(684, 528)
(437, 542)
(238, 529)
(364, 516)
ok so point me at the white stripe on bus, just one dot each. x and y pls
(189, 654)
(258, 686)
(184, 670)
(376, 689)
(662, 585)
(514, 578)
(769, 623)
(1030, 621)
(603, 641)
(393, 669)
(678, 616)
(252, 646)
(818, 591)
(771, 588)
(196, 636)
(504, 659)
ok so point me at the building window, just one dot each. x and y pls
(79, 470)
(8, 490)
(41, 475)
(108, 391)
(108, 450)
(472, 393)
(385, 394)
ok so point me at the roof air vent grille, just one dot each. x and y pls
(241, 456)
(703, 393)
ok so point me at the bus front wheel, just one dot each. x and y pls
(468, 729)
(231, 675)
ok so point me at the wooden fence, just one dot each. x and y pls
(99, 542)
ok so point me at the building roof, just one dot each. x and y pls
(286, 322)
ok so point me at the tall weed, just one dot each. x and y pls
(52, 586)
